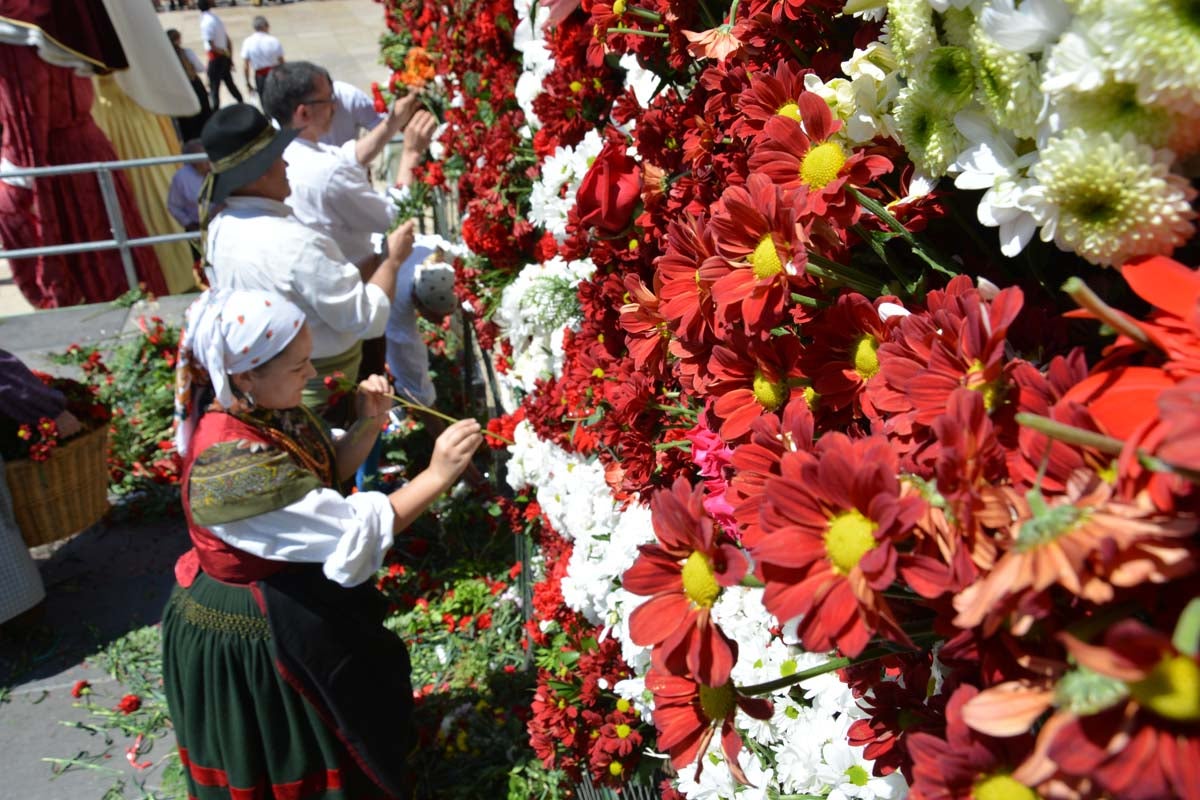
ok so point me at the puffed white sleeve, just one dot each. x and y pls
(349, 536)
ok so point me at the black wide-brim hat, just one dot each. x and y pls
(241, 145)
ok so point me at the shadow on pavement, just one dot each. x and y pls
(100, 584)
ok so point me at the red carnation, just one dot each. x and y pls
(129, 703)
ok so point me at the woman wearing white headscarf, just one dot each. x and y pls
(279, 674)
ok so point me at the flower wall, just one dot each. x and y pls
(852, 352)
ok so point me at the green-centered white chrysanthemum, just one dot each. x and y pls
(1113, 107)
(949, 75)
(957, 24)
(1009, 85)
(1109, 199)
(910, 32)
(927, 130)
(1155, 45)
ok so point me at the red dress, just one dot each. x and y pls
(46, 116)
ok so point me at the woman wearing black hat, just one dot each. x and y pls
(255, 242)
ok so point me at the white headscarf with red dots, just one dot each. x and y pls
(227, 332)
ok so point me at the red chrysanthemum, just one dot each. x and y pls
(687, 714)
(844, 355)
(752, 379)
(688, 268)
(804, 156)
(965, 764)
(754, 229)
(769, 96)
(830, 521)
(683, 574)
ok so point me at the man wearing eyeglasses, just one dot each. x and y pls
(331, 191)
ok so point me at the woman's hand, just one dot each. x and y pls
(452, 450)
(372, 400)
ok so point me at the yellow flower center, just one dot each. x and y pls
(811, 398)
(576, 87)
(623, 705)
(615, 768)
(623, 731)
(850, 536)
(597, 373)
(866, 358)
(790, 109)
(822, 164)
(1002, 787)
(718, 702)
(1171, 690)
(699, 581)
(619, 7)
(990, 389)
(764, 260)
(769, 394)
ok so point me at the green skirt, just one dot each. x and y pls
(243, 731)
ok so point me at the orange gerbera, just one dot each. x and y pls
(1084, 541)
(687, 714)
(754, 228)
(683, 573)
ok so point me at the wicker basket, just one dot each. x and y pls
(64, 494)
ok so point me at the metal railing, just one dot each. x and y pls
(112, 207)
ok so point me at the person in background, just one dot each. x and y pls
(261, 52)
(331, 191)
(353, 110)
(193, 67)
(24, 400)
(254, 241)
(183, 199)
(220, 54)
(279, 675)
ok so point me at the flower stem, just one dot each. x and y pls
(1070, 434)
(1085, 298)
(644, 13)
(830, 270)
(925, 252)
(636, 32)
(433, 412)
(831, 665)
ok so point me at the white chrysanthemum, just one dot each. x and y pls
(642, 81)
(1112, 107)
(1009, 83)
(926, 129)
(1076, 62)
(1027, 28)
(1109, 200)
(619, 605)
(529, 87)
(910, 32)
(990, 162)
(798, 757)
(553, 193)
(844, 769)
(949, 76)
(716, 782)
(1155, 45)
(874, 84)
(942, 6)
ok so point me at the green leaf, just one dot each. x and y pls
(1187, 630)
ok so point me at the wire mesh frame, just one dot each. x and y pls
(630, 791)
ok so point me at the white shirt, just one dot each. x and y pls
(263, 50)
(352, 109)
(331, 194)
(212, 31)
(348, 535)
(407, 356)
(194, 60)
(256, 243)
